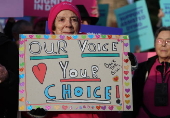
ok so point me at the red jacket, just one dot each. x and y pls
(72, 114)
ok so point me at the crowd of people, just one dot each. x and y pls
(150, 82)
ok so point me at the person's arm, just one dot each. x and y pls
(133, 60)
(10, 60)
(160, 16)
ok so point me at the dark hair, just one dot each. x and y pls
(18, 25)
(161, 29)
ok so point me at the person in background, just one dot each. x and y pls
(86, 19)
(39, 25)
(8, 27)
(21, 27)
(9, 79)
(151, 82)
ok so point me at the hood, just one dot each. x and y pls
(3, 38)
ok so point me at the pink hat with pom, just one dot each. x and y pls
(55, 10)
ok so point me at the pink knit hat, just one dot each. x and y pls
(55, 10)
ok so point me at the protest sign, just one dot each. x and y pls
(94, 29)
(103, 11)
(135, 22)
(42, 7)
(75, 73)
(165, 6)
(11, 8)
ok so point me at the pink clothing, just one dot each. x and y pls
(75, 115)
(55, 10)
(149, 90)
(72, 114)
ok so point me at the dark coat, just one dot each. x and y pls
(138, 82)
(9, 58)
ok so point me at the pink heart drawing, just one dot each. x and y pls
(48, 107)
(31, 36)
(84, 106)
(21, 42)
(110, 107)
(126, 78)
(97, 36)
(21, 55)
(125, 53)
(40, 71)
(21, 91)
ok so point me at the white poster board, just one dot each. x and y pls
(75, 73)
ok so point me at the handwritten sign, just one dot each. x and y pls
(75, 73)
(135, 22)
(42, 7)
(165, 6)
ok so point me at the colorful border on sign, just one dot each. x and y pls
(123, 106)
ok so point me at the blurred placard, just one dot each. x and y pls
(165, 6)
(135, 22)
(11, 8)
(42, 7)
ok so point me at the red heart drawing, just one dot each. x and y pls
(68, 37)
(127, 95)
(40, 71)
(116, 78)
(98, 107)
(126, 72)
(22, 99)
(64, 107)
(109, 36)
(126, 60)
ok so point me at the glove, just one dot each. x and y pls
(133, 60)
(37, 113)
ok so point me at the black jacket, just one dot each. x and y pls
(138, 82)
(9, 58)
